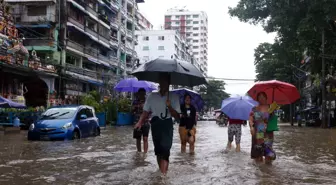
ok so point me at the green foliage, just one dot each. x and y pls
(124, 105)
(90, 100)
(214, 93)
(299, 25)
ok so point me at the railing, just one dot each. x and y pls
(115, 4)
(104, 18)
(45, 41)
(80, 2)
(91, 51)
(76, 22)
(91, 10)
(114, 22)
(114, 39)
(90, 31)
(104, 58)
(81, 71)
(75, 45)
(130, 15)
(24, 18)
(108, 2)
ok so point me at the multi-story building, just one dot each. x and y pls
(142, 22)
(193, 25)
(167, 44)
(93, 41)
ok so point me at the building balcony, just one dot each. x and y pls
(130, 2)
(76, 22)
(114, 23)
(108, 2)
(84, 73)
(122, 47)
(104, 18)
(104, 38)
(91, 31)
(93, 52)
(39, 42)
(122, 30)
(129, 34)
(73, 45)
(23, 18)
(91, 10)
(114, 41)
(115, 4)
(80, 2)
(123, 12)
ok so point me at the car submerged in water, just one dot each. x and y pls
(65, 123)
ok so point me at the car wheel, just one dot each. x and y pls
(75, 135)
(97, 131)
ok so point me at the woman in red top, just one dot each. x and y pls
(234, 130)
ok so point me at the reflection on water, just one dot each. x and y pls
(305, 156)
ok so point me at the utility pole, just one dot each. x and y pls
(323, 108)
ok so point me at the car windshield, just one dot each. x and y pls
(58, 113)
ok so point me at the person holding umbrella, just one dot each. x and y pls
(159, 104)
(234, 130)
(144, 130)
(187, 128)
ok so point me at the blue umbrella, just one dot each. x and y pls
(196, 99)
(133, 85)
(238, 107)
(6, 103)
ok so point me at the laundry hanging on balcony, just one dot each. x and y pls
(20, 49)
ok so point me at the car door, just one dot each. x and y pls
(82, 123)
(91, 121)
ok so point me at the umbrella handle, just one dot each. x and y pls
(166, 114)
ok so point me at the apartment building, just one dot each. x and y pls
(143, 23)
(193, 26)
(92, 40)
(166, 44)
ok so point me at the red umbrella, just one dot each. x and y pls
(280, 92)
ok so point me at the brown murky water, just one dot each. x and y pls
(305, 156)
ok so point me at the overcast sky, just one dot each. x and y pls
(231, 43)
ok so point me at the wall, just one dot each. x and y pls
(23, 11)
(153, 43)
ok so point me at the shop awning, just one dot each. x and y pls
(33, 26)
(95, 83)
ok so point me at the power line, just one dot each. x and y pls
(230, 79)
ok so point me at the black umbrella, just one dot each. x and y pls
(181, 73)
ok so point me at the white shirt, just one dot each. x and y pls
(156, 104)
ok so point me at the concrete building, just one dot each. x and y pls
(92, 40)
(193, 25)
(167, 44)
(142, 22)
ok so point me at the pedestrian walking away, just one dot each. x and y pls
(262, 140)
(234, 131)
(143, 131)
(187, 128)
(159, 104)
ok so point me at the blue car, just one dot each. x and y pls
(65, 123)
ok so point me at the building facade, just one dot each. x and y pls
(166, 44)
(142, 22)
(92, 42)
(193, 26)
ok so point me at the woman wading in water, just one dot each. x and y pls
(262, 141)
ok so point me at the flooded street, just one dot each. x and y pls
(304, 156)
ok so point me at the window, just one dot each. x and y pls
(195, 22)
(196, 28)
(161, 48)
(195, 16)
(161, 37)
(188, 16)
(177, 16)
(188, 34)
(177, 22)
(146, 38)
(89, 113)
(145, 48)
(195, 34)
(81, 112)
(195, 53)
(168, 17)
(195, 41)
(195, 47)
(36, 10)
(145, 58)
(188, 22)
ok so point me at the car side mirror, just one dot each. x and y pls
(83, 116)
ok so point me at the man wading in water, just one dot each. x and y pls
(161, 123)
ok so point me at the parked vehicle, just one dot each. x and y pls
(65, 122)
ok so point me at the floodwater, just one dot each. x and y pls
(304, 156)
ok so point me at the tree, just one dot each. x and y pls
(214, 93)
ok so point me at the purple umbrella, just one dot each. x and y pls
(238, 107)
(196, 99)
(6, 103)
(133, 85)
